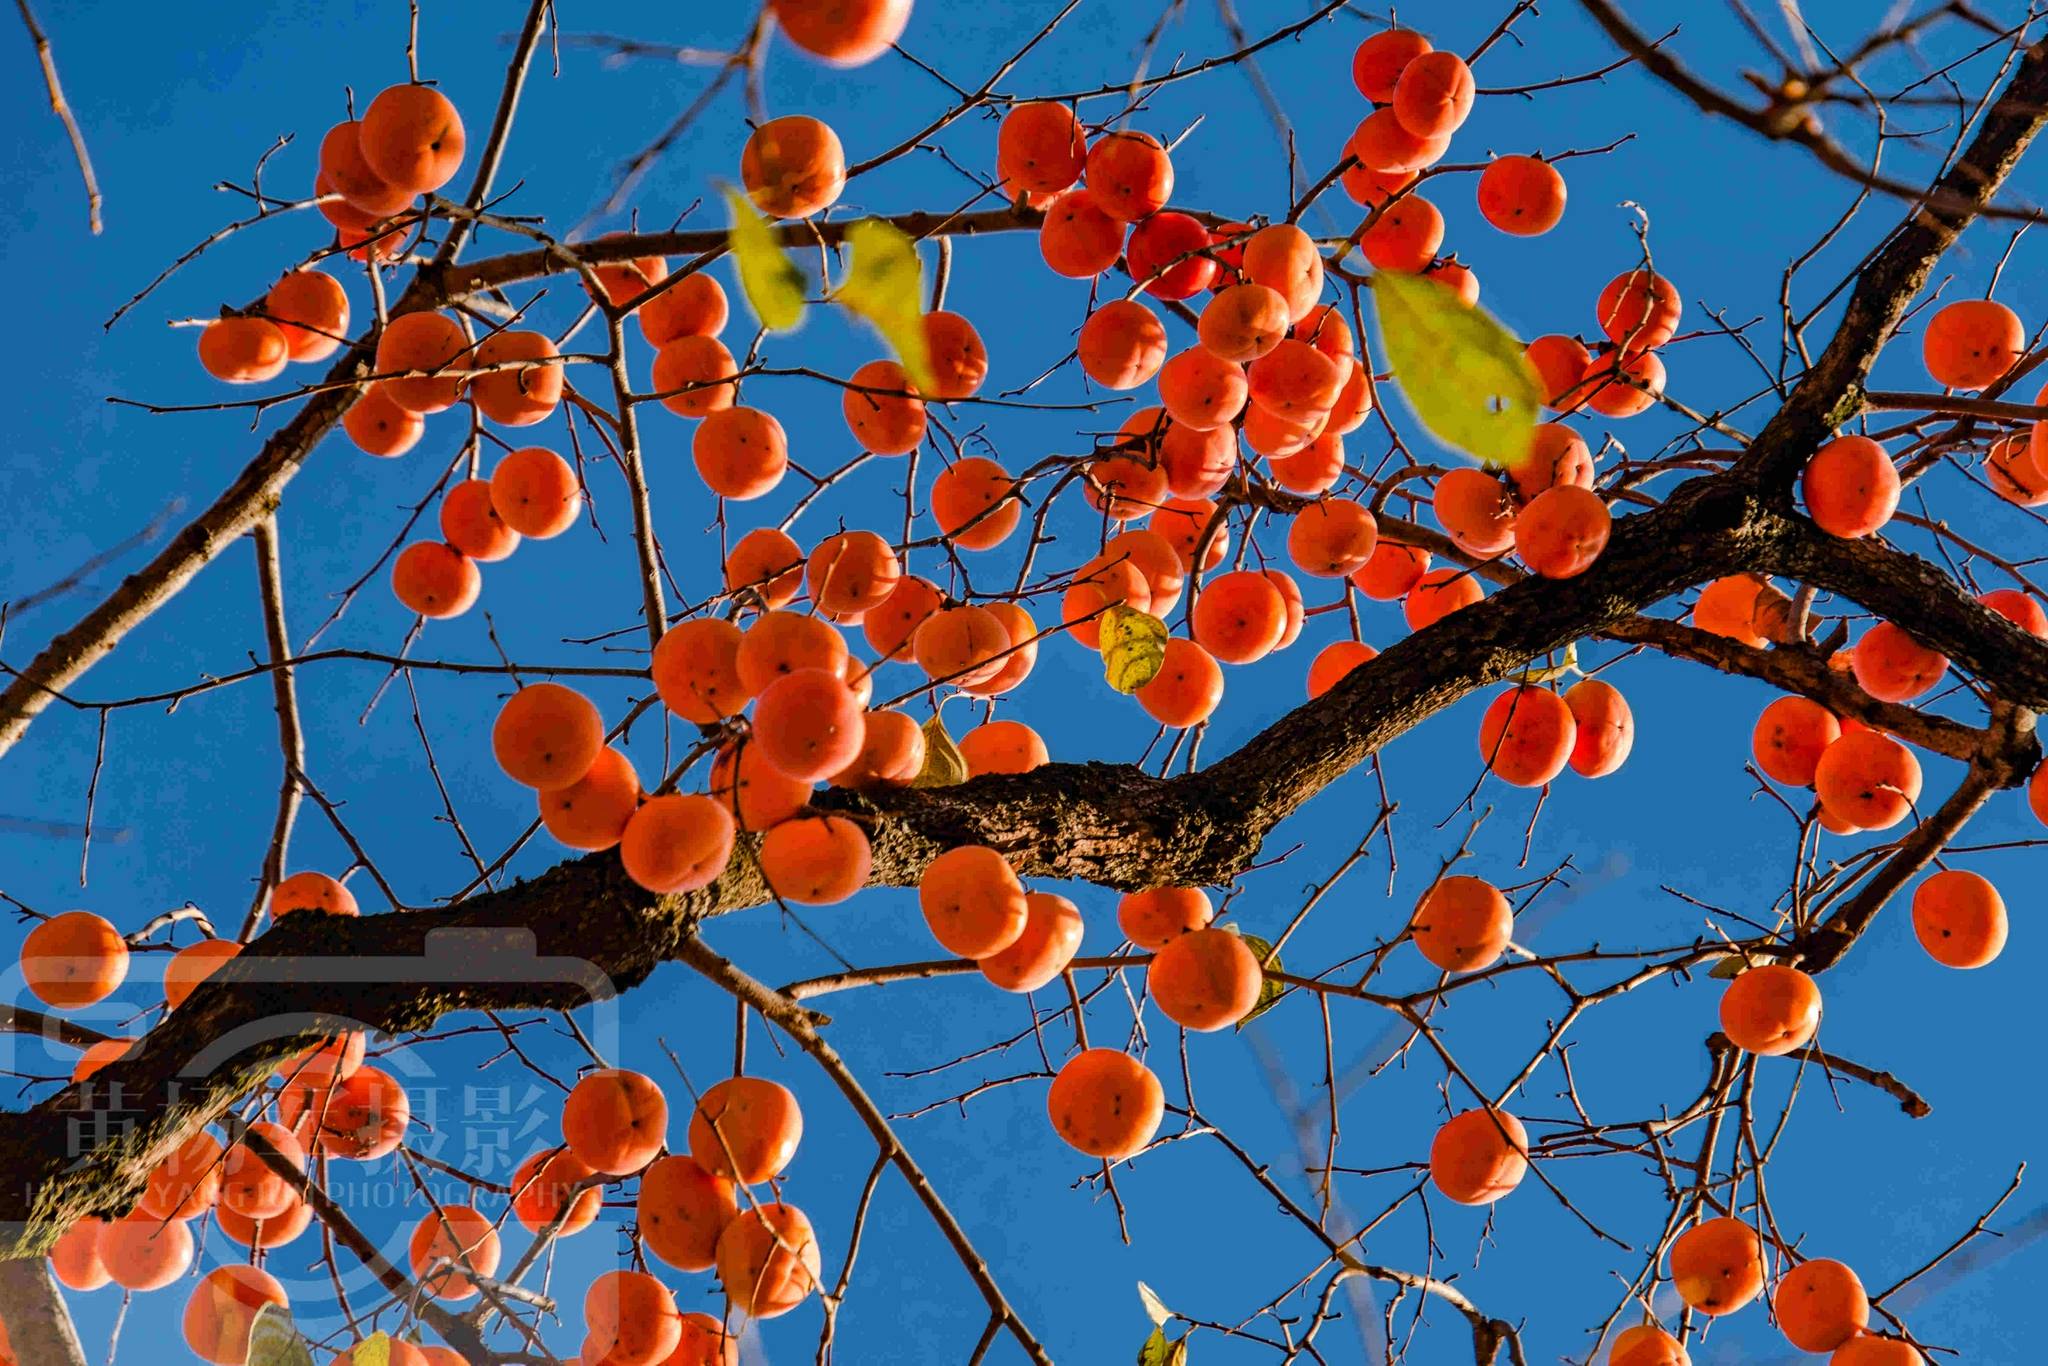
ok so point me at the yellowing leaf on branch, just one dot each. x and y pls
(1155, 1308)
(884, 283)
(1133, 647)
(773, 285)
(1269, 989)
(1550, 673)
(944, 764)
(374, 1350)
(274, 1339)
(1462, 372)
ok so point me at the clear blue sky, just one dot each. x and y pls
(174, 100)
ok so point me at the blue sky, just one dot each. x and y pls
(174, 101)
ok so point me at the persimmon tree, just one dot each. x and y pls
(1266, 422)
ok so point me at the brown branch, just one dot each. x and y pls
(284, 698)
(39, 1325)
(61, 107)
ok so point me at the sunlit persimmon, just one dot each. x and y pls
(626, 280)
(222, 1311)
(1333, 662)
(145, 1251)
(1971, 343)
(1892, 666)
(1606, 727)
(73, 959)
(694, 306)
(547, 735)
(428, 342)
(1332, 538)
(1105, 1103)
(1129, 175)
(1186, 524)
(1458, 278)
(1557, 455)
(780, 643)
(1051, 937)
(681, 1211)
(1122, 344)
(615, 1121)
(1002, 747)
(243, 350)
(793, 167)
(1851, 487)
(591, 813)
(1296, 381)
(1391, 571)
(1646, 1344)
(2018, 608)
(1205, 980)
(1240, 617)
(1165, 253)
(1474, 507)
(521, 396)
(273, 1232)
(311, 309)
(75, 1258)
(842, 32)
(1770, 1009)
(1437, 594)
(380, 427)
(746, 1129)
(972, 901)
(852, 571)
(1377, 64)
(1560, 363)
(536, 492)
(631, 1319)
(1867, 779)
(550, 1186)
(471, 525)
(892, 750)
(1562, 531)
(250, 1186)
(882, 409)
(186, 1181)
(740, 452)
(1526, 736)
(1479, 1156)
(2014, 468)
(768, 1260)
(1717, 1266)
(756, 793)
(1243, 322)
(1735, 606)
(1462, 924)
(1789, 738)
(412, 136)
(1959, 919)
(1155, 558)
(695, 376)
(1284, 258)
(1077, 239)
(1521, 195)
(815, 860)
(1819, 1305)
(1639, 310)
(1433, 96)
(1199, 389)
(975, 504)
(361, 1117)
(449, 1241)
(696, 670)
(1382, 143)
(1187, 689)
(346, 171)
(1617, 386)
(1040, 147)
(1369, 188)
(677, 842)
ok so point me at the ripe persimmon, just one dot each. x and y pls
(1076, 238)
(1184, 522)
(1557, 455)
(1205, 980)
(1527, 735)
(1157, 915)
(892, 750)
(1959, 919)
(412, 137)
(1606, 727)
(1820, 1304)
(380, 427)
(972, 901)
(1478, 1156)
(435, 580)
(1639, 310)
(1002, 747)
(1391, 571)
(816, 860)
(1296, 381)
(1165, 253)
(882, 409)
(1562, 531)
(1790, 736)
(361, 1117)
(1770, 1009)
(1521, 195)
(694, 306)
(1040, 147)
(536, 492)
(273, 1232)
(974, 501)
(550, 1182)
(1867, 1349)
(2018, 608)
(1971, 343)
(1646, 1344)
(547, 735)
(428, 342)
(521, 394)
(1187, 689)
(1717, 1266)
(1617, 386)
(1462, 923)
(1892, 666)
(1105, 1103)
(471, 525)
(677, 842)
(768, 1260)
(1377, 64)
(1474, 507)
(448, 1245)
(841, 32)
(1122, 344)
(2014, 468)
(1560, 363)
(250, 1186)
(1433, 97)
(793, 167)
(1200, 389)
(1333, 662)
(222, 1311)
(681, 1210)
(311, 309)
(1243, 322)
(746, 1129)
(144, 1251)
(75, 1257)
(346, 170)
(591, 813)
(73, 959)
(1283, 258)
(696, 375)
(809, 724)
(780, 643)
(958, 358)
(615, 1121)
(1382, 143)
(1129, 175)
(1851, 487)
(631, 1319)
(1437, 594)
(1240, 617)
(696, 670)
(754, 791)
(243, 350)
(186, 1181)
(1051, 938)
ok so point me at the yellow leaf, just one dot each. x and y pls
(1551, 673)
(1133, 647)
(944, 765)
(884, 283)
(773, 285)
(374, 1350)
(1462, 372)
(273, 1341)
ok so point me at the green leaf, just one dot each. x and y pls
(773, 285)
(1155, 1308)
(275, 1341)
(1269, 990)
(884, 283)
(374, 1350)
(1155, 1350)
(1133, 645)
(1463, 373)
(944, 765)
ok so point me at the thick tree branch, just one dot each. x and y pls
(39, 1325)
